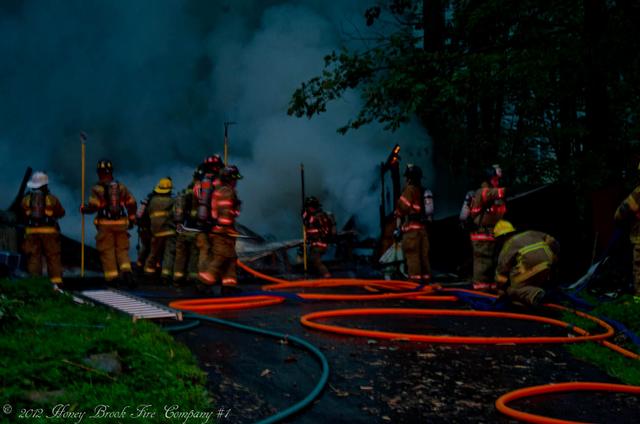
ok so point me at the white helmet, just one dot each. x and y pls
(38, 179)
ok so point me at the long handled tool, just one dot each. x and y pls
(226, 142)
(304, 230)
(83, 141)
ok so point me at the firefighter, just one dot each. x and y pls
(486, 209)
(225, 207)
(163, 232)
(144, 232)
(526, 263)
(628, 213)
(203, 193)
(41, 211)
(185, 218)
(411, 211)
(116, 213)
(320, 228)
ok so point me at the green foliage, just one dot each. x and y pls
(554, 85)
(45, 351)
(624, 310)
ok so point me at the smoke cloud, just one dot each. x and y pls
(151, 83)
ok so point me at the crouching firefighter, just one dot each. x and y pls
(411, 211)
(526, 264)
(628, 216)
(225, 208)
(163, 233)
(185, 213)
(41, 211)
(116, 213)
(320, 227)
(486, 209)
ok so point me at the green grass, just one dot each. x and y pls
(44, 338)
(624, 310)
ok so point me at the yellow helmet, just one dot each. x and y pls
(503, 227)
(164, 186)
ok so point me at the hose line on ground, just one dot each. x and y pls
(295, 341)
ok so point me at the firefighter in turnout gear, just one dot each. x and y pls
(411, 211)
(116, 213)
(41, 211)
(203, 191)
(163, 233)
(144, 232)
(321, 229)
(185, 218)
(628, 214)
(486, 209)
(526, 263)
(225, 208)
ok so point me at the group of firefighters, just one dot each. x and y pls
(192, 236)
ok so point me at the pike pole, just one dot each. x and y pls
(304, 230)
(226, 142)
(83, 148)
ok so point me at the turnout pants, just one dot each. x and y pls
(315, 257)
(223, 261)
(187, 253)
(484, 261)
(415, 246)
(162, 249)
(48, 245)
(112, 243)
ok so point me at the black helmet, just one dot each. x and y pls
(493, 171)
(198, 173)
(413, 172)
(312, 202)
(105, 165)
(229, 173)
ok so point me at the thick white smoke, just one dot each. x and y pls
(152, 82)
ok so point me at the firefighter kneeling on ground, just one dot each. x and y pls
(320, 228)
(41, 211)
(628, 215)
(411, 211)
(526, 263)
(163, 233)
(116, 213)
(225, 208)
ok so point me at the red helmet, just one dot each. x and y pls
(213, 163)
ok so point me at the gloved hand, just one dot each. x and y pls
(84, 208)
(397, 234)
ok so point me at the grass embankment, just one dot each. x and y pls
(623, 310)
(46, 347)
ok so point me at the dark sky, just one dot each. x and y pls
(152, 81)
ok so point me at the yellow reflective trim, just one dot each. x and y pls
(178, 274)
(158, 214)
(517, 279)
(149, 270)
(633, 205)
(56, 280)
(164, 233)
(501, 278)
(531, 247)
(110, 274)
(166, 272)
(125, 267)
(41, 230)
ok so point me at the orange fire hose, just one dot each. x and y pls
(225, 304)
(308, 321)
(501, 403)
